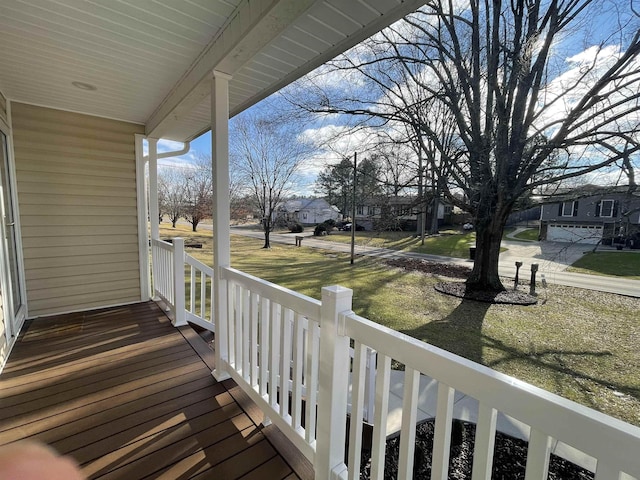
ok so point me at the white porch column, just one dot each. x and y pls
(154, 214)
(221, 215)
(143, 231)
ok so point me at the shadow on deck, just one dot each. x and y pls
(129, 396)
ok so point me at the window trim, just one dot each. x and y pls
(571, 210)
(612, 203)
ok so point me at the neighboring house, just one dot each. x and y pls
(308, 211)
(593, 218)
(396, 212)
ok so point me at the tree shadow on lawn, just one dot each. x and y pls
(308, 277)
(461, 333)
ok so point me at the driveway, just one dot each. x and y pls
(550, 256)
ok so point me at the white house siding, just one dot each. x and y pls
(77, 197)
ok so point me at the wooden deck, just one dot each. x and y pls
(129, 396)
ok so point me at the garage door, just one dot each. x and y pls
(574, 234)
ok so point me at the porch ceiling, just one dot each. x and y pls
(151, 60)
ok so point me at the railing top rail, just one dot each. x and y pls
(577, 425)
(302, 304)
(194, 262)
(162, 244)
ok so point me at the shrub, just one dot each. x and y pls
(296, 228)
(330, 222)
(320, 229)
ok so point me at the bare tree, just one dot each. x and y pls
(527, 102)
(198, 190)
(268, 155)
(171, 192)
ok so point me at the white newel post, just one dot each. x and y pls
(333, 379)
(179, 318)
(221, 216)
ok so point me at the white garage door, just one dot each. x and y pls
(574, 234)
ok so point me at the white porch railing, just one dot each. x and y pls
(300, 359)
(170, 258)
(301, 341)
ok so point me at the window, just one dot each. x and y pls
(569, 209)
(606, 208)
(360, 210)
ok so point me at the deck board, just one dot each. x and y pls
(129, 396)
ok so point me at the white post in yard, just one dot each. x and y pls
(333, 379)
(179, 317)
(221, 216)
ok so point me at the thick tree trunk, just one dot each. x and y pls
(194, 225)
(266, 226)
(484, 275)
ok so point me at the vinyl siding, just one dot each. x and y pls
(78, 212)
(3, 109)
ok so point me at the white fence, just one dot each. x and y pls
(304, 362)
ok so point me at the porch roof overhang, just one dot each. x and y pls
(151, 62)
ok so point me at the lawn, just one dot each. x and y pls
(528, 235)
(615, 264)
(576, 343)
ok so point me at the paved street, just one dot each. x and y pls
(552, 257)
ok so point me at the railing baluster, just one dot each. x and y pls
(265, 345)
(231, 331)
(538, 456)
(484, 442)
(274, 354)
(311, 380)
(254, 345)
(442, 434)
(409, 417)
(192, 290)
(238, 326)
(246, 336)
(357, 406)
(369, 385)
(285, 360)
(203, 294)
(380, 416)
(298, 367)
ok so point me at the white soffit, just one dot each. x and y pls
(151, 60)
(132, 51)
(297, 36)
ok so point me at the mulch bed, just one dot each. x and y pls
(510, 456)
(430, 268)
(459, 289)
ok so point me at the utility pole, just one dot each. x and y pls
(353, 207)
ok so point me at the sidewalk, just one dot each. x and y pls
(552, 258)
